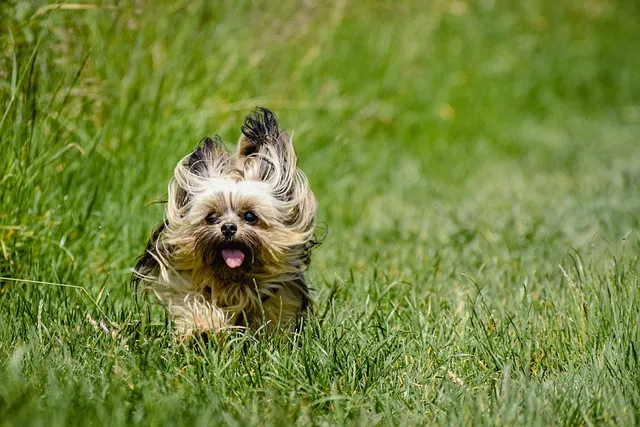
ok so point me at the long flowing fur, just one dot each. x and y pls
(182, 262)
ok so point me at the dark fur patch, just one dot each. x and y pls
(146, 264)
(314, 242)
(260, 127)
(306, 302)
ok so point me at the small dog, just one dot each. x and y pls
(238, 235)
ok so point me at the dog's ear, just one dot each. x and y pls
(266, 154)
(260, 128)
(208, 160)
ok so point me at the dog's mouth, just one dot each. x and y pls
(233, 255)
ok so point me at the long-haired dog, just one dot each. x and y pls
(238, 234)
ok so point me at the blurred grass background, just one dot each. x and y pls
(477, 165)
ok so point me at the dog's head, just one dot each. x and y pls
(249, 214)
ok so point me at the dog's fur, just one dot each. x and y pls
(183, 264)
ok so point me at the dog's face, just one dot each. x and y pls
(240, 217)
(237, 226)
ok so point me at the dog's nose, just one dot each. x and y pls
(228, 229)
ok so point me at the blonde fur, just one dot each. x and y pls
(182, 265)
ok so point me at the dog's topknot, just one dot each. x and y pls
(260, 127)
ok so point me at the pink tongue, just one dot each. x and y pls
(233, 257)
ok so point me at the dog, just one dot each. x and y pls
(237, 238)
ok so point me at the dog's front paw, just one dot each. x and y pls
(196, 317)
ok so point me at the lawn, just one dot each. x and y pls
(477, 167)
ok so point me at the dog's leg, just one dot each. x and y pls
(283, 310)
(194, 315)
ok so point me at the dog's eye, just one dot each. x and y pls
(212, 218)
(250, 217)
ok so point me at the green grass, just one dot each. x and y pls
(477, 165)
